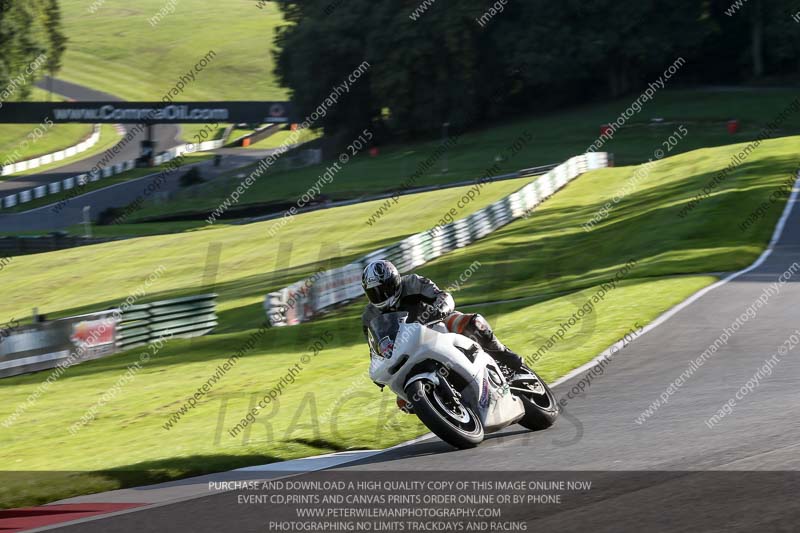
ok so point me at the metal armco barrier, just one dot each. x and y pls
(188, 148)
(69, 341)
(304, 300)
(191, 316)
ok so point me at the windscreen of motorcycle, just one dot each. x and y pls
(383, 332)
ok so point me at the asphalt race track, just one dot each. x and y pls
(48, 218)
(166, 137)
(671, 472)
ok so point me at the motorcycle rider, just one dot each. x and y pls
(388, 291)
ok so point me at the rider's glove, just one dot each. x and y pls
(432, 313)
(444, 303)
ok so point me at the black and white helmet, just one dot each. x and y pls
(382, 284)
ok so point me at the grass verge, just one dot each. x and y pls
(108, 138)
(141, 60)
(547, 258)
(19, 142)
(521, 143)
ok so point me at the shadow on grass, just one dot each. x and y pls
(645, 224)
(250, 316)
(550, 253)
(543, 257)
(19, 488)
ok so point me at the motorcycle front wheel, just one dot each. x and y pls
(541, 409)
(444, 414)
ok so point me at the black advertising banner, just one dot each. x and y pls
(145, 112)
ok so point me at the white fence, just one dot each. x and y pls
(66, 184)
(181, 149)
(306, 299)
(30, 164)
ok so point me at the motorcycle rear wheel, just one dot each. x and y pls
(447, 417)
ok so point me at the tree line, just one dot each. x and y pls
(31, 40)
(464, 62)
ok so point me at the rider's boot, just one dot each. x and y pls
(481, 332)
(503, 355)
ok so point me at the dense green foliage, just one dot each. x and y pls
(436, 61)
(31, 44)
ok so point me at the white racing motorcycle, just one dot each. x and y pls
(456, 389)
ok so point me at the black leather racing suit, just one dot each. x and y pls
(426, 302)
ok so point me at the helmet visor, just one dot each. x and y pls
(382, 295)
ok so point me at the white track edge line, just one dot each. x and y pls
(776, 235)
(102, 189)
(149, 506)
